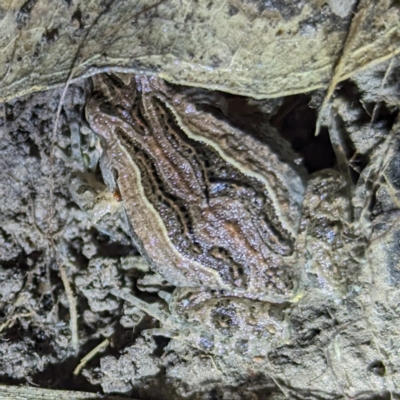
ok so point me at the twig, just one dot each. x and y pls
(73, 322)
(377, 105)
(9, 321)
(335, 79)
(98, 349)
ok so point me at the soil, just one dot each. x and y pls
(65, 244)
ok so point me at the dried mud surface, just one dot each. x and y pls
(56, 214)
(247, 47)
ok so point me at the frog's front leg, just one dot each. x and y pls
(99, 200)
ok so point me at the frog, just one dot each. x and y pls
(219, 212)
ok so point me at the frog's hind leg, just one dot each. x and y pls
(172, 327)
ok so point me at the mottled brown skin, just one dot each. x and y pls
(210, 205)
